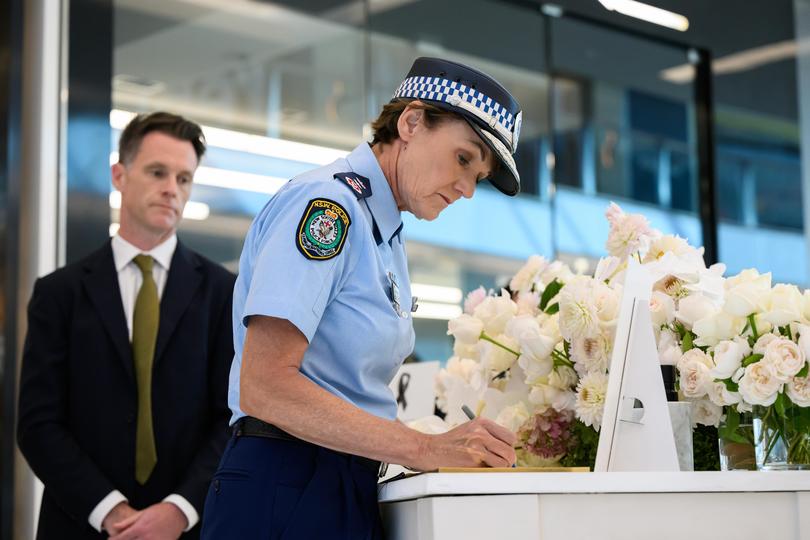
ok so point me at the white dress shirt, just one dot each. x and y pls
(129, 281)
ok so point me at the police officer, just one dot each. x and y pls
(322, 317)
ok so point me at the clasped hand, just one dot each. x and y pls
(162, 521)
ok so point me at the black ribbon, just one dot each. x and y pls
(404, 381)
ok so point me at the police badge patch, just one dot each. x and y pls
(322, 230)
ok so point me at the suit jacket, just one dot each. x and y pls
(78, 395)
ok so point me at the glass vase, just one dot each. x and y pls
(782, 436)
(736, 441)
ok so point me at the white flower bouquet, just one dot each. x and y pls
(535, 358)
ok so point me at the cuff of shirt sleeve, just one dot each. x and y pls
(180, 502)
(103, 508)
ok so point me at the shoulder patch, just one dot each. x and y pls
(322, 231)
(360, 185)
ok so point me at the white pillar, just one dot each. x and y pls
(41, 212)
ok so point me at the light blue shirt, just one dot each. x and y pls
(345, 305)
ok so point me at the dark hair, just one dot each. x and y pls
(162, 122)
(385, 126)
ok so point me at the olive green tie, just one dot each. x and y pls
(144, 334)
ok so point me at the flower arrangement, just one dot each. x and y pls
(535, 357)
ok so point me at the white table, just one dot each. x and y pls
(738, 505)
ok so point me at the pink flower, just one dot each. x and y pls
(548, 434)
(629, 233)
(473, 299)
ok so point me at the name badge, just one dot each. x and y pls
(395, 295)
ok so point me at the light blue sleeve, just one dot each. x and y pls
(286, 284)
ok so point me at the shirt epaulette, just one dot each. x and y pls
(360, 185)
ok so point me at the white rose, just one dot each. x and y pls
(694, 308)
(528, 303)
(747, 293)
(744, 407)
(806, 303)
(670, 244)
(607, 302)
(473, 299)
(763, 341)
(536, 368)
(759, 385)
(537, 347)
(556, 270)
(693, 368)
(466, 329)
(785, 357)
(804, 338)
(798, 390)
(578, 312)
(543, 395)
(513, 416)
(712, 329)
(590, 404)
(522, 325)
(496, 358)
(662, 309)
(669, 351)
(495, 312)
(550, 326)
(563, 378)
(706, 413)
(463, 350)
(728, 356)
(524, 279)
(565, 400)
(465, 369)
(784, 305)
(721, 395)
(458, 371)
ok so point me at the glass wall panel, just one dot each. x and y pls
(283, 87)
(278, 87)
(623, 130)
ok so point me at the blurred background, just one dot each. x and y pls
(694, 118)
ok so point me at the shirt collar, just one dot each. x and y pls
(124, 252)
(381, 202)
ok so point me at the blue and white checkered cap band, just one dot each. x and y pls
(459, 95)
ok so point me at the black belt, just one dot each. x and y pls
(253, 427)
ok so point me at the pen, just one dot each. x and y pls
(468, 412)
(471, 415)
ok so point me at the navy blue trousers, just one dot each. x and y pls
(277, 489)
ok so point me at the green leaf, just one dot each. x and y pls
(553, 308)
(785, 331)
(748, 360)
(731, 436)
(687, 344)
(680, 330)
(731, 386)
(803, 372)
(732, 419)
(780, 405)
(751, 341)
(567, 348)
(550, 292)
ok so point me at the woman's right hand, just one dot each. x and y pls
(477, 443)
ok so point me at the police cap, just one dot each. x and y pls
(487, 106)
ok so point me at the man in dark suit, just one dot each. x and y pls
(123, 396)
